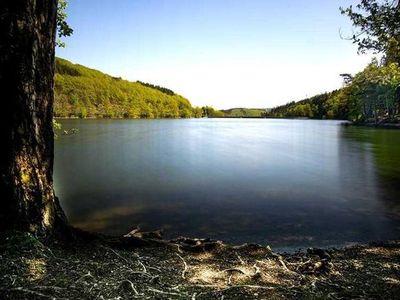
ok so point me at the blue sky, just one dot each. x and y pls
(224, 53)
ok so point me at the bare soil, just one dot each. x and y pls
(140, 268)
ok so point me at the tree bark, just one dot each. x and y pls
(27, 42)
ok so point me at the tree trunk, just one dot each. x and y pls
(27, 42)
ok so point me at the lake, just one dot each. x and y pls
(286, 183)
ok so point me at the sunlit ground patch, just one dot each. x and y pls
(36, 268)
(204, 256)
(357, 264)
(382, 251)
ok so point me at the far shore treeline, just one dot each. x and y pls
(371, 96)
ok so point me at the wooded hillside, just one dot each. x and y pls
(83, 92)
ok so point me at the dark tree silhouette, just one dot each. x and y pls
(27, 41)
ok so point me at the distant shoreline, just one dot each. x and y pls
(226, 117)
(345, 122)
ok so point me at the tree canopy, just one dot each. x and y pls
(83, 92)
(63, 29)
(378, 27)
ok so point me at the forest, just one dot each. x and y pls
(243, 112)
(371, 96)
(81, 92)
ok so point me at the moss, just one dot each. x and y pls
(17, 241)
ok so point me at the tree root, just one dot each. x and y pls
(185, 266)
(131, 285)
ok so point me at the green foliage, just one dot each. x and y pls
(56, 125)
(86, 93)
(317, 107)
(372, 93)
(13, 241)
(197, 112)
(157, 87)
(210, 112)
(56, 128)
(371, 96)
(243, 112)
(378, 24)
(63, 29)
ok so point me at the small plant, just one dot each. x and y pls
(56, 127)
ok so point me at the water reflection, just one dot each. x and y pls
(384, 148)
(288, 183)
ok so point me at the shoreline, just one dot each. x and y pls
(147, 268)
(345, 122)
(379, 125)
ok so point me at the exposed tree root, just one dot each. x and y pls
(185, 267)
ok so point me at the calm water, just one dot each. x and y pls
(287, 183)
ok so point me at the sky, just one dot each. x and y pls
(223, 53)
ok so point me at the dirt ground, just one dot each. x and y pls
(192, 269)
